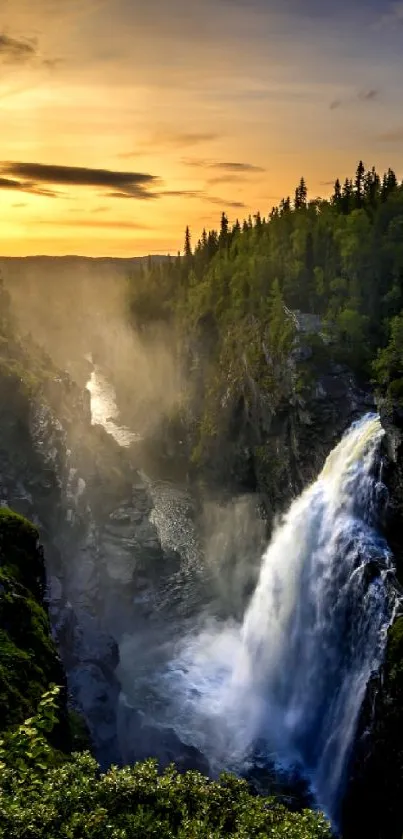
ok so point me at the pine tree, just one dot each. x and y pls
(212, 243)
(346, 196)
(187, 246)
(336, 198)
(301, 194)
(223, 237)
(371, 187)
(258, 220)
(285, 205)
(389, 184)
(359, 184)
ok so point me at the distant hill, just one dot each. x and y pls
(70, 303)
(57, 267)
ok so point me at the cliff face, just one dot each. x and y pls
(373, 805)
(272, 428)
(91, 509)
(29, 663)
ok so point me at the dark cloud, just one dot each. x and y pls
(17, 51)
(26, 186)
(122, 184)
(368, 95)
(131, 193)
(7, 183)
(182, 193)
(363, 96)
(23, 51)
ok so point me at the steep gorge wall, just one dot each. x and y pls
(29, 663)
(91, 509)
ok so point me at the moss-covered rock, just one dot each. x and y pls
(29, 662)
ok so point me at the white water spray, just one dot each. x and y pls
(293, 675)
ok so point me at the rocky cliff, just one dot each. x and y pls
(91, 509)
(373, 805)
(29, 662)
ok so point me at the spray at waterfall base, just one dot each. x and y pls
(290, 679)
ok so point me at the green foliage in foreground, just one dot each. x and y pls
(43, 796)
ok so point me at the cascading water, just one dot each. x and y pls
(293, 675)
(104, 409)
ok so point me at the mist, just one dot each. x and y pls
(158, 558)
(78, 311)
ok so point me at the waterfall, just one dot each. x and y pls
(293, 674)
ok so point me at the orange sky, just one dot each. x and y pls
(224, 104)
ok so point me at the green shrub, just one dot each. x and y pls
(42, 797)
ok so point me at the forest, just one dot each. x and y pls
(236, 293)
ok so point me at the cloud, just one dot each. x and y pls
(192, 138)
(23, 51)
(131, 193)
(224, 203)
(166, 138)
(237, 167)
(20, 204)
(223, 166)
(122, 184)
(94, 223)
(26, 186)
(203, 196)
(182, 193)
(225, 179)
(393, 135)
(101, 209)
(366, 95)
(17, 51)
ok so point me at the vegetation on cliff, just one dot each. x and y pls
(234, 302)
(28, 659)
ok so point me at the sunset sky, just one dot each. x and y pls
(125, 120)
